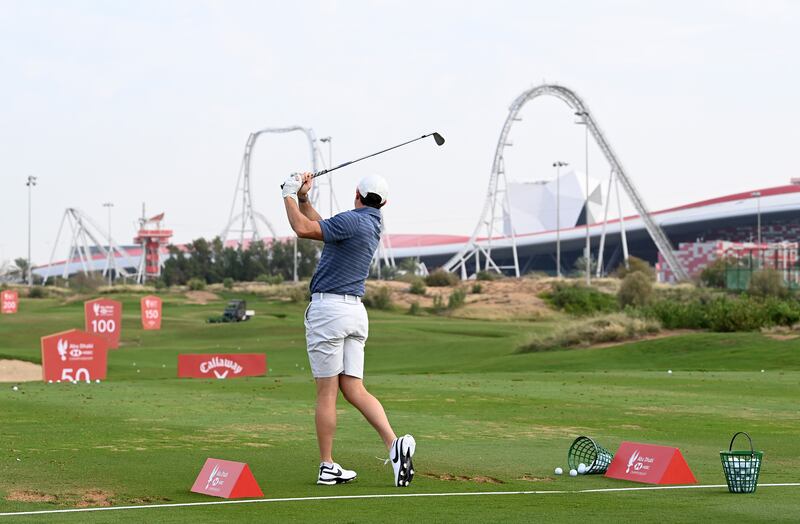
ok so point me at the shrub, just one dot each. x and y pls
(597, 330)
(299, 294)
(636, 265)
(767, 283)
(438, 304)
(735, 314)
(159, 284)
(83, 283)
(713, 275)
(417, 286)
(488, 275)
(196, 284)
(414, 309)
(380, 298)
(577, 299)
(227, 283)
(782, 312)
(36, 292)
(678, 315)
(441, 278)
(456, 298)
(477, 288)
(270, 279)
(636, 289)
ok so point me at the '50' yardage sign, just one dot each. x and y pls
(104, 318)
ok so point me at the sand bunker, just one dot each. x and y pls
(19, 371)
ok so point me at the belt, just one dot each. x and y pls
(334, 296)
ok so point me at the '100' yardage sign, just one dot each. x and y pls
(104, 318)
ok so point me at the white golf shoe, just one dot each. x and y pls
(401, 452)
(333, 473)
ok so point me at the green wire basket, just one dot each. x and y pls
(741, 467)
(586, 451)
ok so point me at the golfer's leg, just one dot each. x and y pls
(325, 416)
(369, 406)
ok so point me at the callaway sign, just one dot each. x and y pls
(104, 318)
(9, 301)
(650, 464)
(74, 355)
(226, 479)
(151, 312)
(222, 366)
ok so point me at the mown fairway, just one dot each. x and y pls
(493, 419)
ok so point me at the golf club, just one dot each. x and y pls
(436, 136)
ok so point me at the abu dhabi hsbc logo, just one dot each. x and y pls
(217, 478)
(74, 351)
(220, 367)
(102, 311)
(639, 464)
(150, 304)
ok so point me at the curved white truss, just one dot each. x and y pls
(491, 216)
(248, 219)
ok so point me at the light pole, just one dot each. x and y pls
(329, 140)
(558, 165)
(757, 194)
(588, 250)
(109, 205)
(30, 183)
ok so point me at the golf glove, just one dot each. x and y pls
(292, 185)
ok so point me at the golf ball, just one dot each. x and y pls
(573, 473)
(15, 388)
(669, 371)
(138, 370)
(582, 468)
(49, 381)
(74, 381)
(97, 381)
(559, 471)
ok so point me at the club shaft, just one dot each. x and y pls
(319, 173)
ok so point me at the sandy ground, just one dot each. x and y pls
(19, 371)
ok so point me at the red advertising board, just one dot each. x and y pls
(151, 312)
(104, 317)
(650, 464)
(214, 365)
(9, 301)
(226, 479)
(74, 355)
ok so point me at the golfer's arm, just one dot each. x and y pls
(301, 224)
(308, 210)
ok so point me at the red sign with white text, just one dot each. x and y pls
(9, 301)
(226, 479)
(74, 355)
(650, 464)
(214, 365)
(104, 318)
(151, 312)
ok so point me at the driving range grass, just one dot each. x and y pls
(485, 417)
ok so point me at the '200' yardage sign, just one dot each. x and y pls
(104, 318)
(74, 355)
(9, 301)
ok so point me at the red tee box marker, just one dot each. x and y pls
(74, 355)
(151, 312)
(104, 317)
(226, 479)
(650, 464)
(216, 365)
(9, 302)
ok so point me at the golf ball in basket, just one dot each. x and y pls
(559, 471)
(582, 468)
(573, 473)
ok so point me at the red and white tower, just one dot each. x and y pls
(152, 237)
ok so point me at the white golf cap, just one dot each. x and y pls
(374, 184)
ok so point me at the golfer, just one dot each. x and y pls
(336, 321)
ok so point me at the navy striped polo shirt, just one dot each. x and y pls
(351, 239)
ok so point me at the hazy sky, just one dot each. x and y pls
(145, 101)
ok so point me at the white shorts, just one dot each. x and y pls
(336, 331)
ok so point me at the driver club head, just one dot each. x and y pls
(438, 138)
